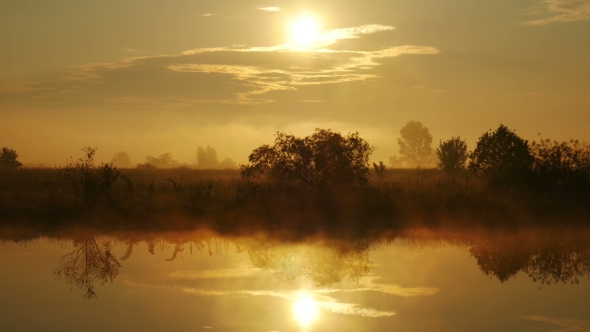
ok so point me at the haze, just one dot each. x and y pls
(149, 77)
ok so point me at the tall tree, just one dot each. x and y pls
(207, 157)
(414, 143)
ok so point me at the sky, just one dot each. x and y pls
(149, 77)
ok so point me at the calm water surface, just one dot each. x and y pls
(411, 281)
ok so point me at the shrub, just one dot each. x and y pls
(164, 160)
(87, 181)
(122, 160)
(8, 159)
(452, 155)
(320, 159)
(562, 167)
(502, 156)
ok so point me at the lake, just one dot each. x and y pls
(411, 280)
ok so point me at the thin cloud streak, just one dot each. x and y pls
(319, 65)
(270, 9)
(565, 325)
(568, 10)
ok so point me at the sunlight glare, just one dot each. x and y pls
(305, 310)
(305, 30)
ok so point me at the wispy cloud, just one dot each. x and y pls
(207, 15)
(566, 10)
(233, 75)
(565, 325)
(215, 274)
(322, 301)
(270, 9)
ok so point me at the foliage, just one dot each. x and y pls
(207, 157)
(87, 181)
(228, 163)
(380, 170)
(395, 162)
(452, 155)
(502, 156)
(8, 159)
(321, 159)
(562, 167)
(122, 160)
(164, 160)
(414, 144)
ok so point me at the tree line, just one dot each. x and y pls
(500, 157)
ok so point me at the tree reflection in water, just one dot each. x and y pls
(322, 262)
(88, 263)
(547, 261)
(545, 256)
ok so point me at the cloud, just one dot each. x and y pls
(230, 75)
(567, 10)
(321, 301)
(270, 9)
(215, 274)
(207, 15)
(565, 325)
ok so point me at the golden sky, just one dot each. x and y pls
(149, 77)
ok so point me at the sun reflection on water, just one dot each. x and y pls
(305, 310)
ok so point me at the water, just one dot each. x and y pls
(199, 281)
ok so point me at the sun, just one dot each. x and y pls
(305, 310)
(305, 30)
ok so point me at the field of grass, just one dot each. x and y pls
(184, 199)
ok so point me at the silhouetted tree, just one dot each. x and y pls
(165, 160)
(207, 157)
(228, 163)
(122, 160)
(87, 181)
(502, 156)
(562, 168)
(320, 159)
(8, 159)
(414, 144)
(452, 155)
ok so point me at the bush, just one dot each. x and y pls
(320, 159)
(87, 181)
(502, 156)
(8, 159)
(562, 167)
(452, 155)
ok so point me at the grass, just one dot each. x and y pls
(186, 199)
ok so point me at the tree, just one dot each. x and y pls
(414, 144)
(8, 159)
(207, 157)
(322, 158)
(562, 167)
(452, 155)
(502, 156)
(122, 160)
(228, 163)
(87, 181)
(165, 160)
